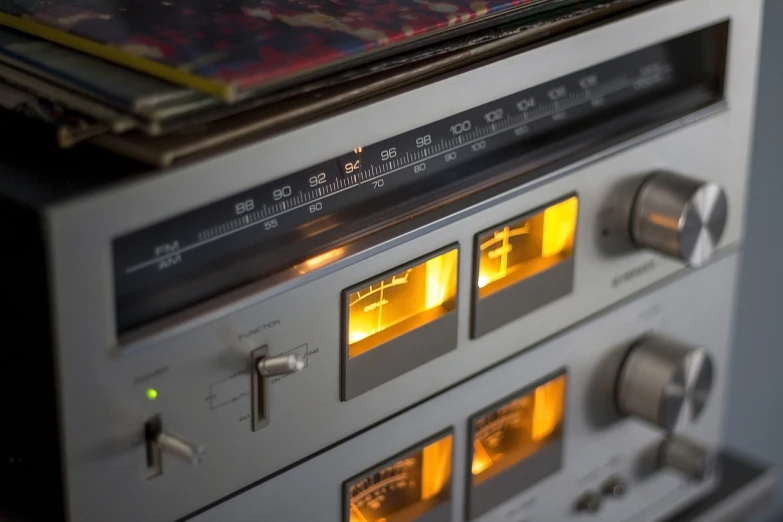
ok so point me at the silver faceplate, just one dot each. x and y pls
(199, 365)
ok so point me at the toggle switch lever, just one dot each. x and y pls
(160, 442)
(280, 365)
(264, 367)
(180, 447)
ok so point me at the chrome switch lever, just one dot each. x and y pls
(160, 441)
(180, 447)
(280, 365)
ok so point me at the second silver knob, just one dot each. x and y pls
(664, 381)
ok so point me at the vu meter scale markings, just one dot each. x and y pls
(406, 489)
(377, 305)
(501, 241)
(439, 146)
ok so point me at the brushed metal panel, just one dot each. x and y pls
(103, 408)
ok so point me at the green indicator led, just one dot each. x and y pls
(152, 394)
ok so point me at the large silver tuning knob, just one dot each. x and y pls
(679, 216)
(664, 381)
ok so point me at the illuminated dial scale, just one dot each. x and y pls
(376, 169)
(315, 207)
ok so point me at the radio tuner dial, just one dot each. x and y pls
(680, 217)
(664, 381)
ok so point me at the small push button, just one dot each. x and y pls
(614, 487)
(589, 502)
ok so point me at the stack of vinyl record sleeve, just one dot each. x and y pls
(164, 81)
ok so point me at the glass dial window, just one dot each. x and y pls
(517, 429)
(405, 488)
(398, 303)
(520, 249)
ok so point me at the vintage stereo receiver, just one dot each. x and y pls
(502, 295)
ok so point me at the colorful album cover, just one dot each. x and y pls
(224, 47)
(116, 85)
(164, 151)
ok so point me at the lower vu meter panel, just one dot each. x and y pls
(514, 444)
(415, 485)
